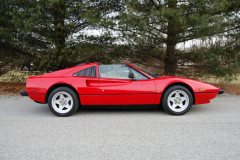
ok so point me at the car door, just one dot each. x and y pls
(117, 89)
(86, 82)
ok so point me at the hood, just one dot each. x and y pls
(196, 86)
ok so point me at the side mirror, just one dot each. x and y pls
(131, 75)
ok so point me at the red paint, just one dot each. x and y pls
(125, 92)
(103, 91)
(37, 97)
(202, 98)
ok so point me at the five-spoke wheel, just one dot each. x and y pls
(177, 100)
(63, 101)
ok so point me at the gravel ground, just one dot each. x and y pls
(30, 131)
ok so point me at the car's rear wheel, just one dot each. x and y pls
(63, 101)
(177, 100)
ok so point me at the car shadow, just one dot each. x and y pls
(118, 111)
(41, 110)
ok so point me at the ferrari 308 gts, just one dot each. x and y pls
(97, 85)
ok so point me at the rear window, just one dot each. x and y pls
(88, 72)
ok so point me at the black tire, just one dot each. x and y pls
(63, 101)
(177, 100)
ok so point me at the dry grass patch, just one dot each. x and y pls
(12, 88)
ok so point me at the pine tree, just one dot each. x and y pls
(174, 21)
(51, 30)
(12, 47)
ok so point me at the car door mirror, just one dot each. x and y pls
(131, 75)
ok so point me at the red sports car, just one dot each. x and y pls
(94, 84)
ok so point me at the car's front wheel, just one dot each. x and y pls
(63, 101)
(177, 100)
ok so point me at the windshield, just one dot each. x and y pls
(152, 74)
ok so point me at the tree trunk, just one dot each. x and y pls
(59, 34)
(170, 59)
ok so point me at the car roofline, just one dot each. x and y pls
(128, 64)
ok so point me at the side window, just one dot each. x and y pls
(88, 72)
(114, 71)
(138, 75)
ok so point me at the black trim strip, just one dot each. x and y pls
(205, 92)
(121, 94)
(140, 106)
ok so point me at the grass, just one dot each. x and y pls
(12, 82)
(17, 77)
(235, 82)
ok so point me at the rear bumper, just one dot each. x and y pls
(24, 93)
(221, 92)
(40, 98)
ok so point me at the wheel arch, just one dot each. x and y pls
(60, 85)
(181, 84)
